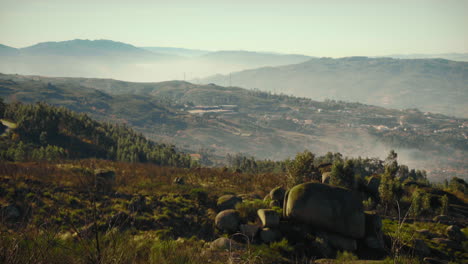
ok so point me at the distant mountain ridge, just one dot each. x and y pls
(435, 85)
(447, 56)
(111, 59)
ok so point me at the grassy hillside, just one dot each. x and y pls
(227, 120)
(434, 85)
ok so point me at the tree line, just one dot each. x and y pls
(45, 132)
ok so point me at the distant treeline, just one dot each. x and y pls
(45, 132)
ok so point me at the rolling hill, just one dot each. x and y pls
(434, 85)
(111, 59)
(224, 120)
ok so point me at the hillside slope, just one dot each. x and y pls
(225, 120)
(434, 85)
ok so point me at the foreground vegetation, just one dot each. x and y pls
(105, 209)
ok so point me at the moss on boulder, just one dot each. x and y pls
(332, 208)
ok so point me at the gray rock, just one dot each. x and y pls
(228, 202)
(277, 194)
(338, 242)
(374, 234)
(275, 204)
(223, 243)
(268, 235)
(269, 217)
(228, 220)
(454, 233)
(323, 206)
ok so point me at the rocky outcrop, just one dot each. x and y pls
(228, 221)
(226, 202)
(269, 217)
(374, 235)
(323, 206)
(277, 194)
(454, 233)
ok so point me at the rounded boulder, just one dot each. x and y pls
(332, 208)
(228, 220)
(228, 202)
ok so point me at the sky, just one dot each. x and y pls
(332, 28)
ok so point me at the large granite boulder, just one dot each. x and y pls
(323, 206)
(277, 194)
(228, 201)
(374, 234)
(269, 217)
(228, 220)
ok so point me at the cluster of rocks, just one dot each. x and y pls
(452, 239)
(314, 216)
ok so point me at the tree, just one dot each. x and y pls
(342, 174)
(301, 169)
(391, 164)
(387, 191)
(444, 205)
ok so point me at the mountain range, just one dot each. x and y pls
(111, 59)
(434, 85)
(219, 120)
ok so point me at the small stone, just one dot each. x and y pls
(223, 244)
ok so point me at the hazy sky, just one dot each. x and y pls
(318, 28)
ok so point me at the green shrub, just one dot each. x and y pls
(282, 246)
(248, 209)
(345, 256)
